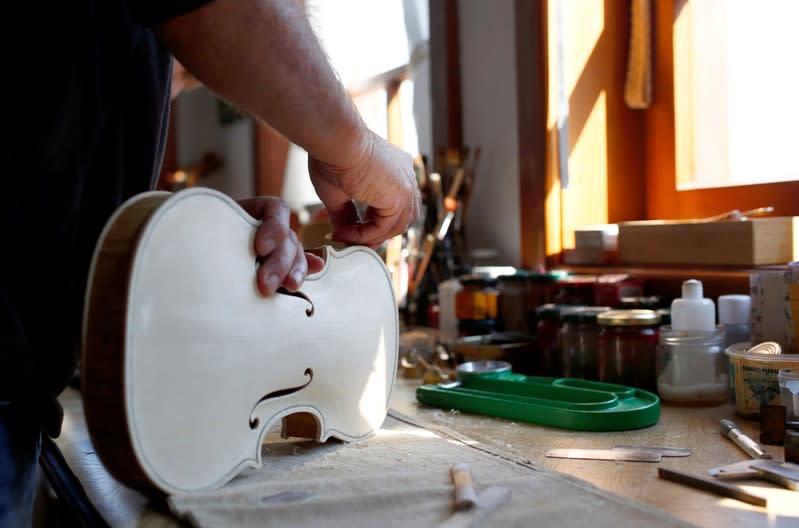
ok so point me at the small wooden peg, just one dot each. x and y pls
(465, 497)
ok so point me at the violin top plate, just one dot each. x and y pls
(209, 364)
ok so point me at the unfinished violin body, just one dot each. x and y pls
(185, 366)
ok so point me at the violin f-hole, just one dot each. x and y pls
(308, 311)
(278, 394)
(283, 291)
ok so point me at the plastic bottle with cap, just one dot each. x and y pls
(692, 311)
(734, 316)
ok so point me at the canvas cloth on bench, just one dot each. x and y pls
(400, 477)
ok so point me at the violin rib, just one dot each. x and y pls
(186, 366)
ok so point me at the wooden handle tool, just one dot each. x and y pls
(712, 486)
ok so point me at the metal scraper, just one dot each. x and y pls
(664, 451)
(626, 455)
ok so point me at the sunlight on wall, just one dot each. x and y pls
(575, 32)
(583, 24)
(585, 202)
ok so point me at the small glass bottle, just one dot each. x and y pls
(477, 306)
(690, 361)
(691, 366)
(577, 290)
(579, 341)
(478, 299)
(788, 380)
(547, 330)
(734, 315)
(627, 345)
(514, 301)
(544, 286)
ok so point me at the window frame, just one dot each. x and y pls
(663, 200)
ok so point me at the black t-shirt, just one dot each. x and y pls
(85, 87)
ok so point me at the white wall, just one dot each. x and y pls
(488, 84)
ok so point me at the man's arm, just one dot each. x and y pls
(264, 56)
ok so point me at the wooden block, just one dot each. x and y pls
(792, 446)
(588, 256)
(772, 424)
(754, 242)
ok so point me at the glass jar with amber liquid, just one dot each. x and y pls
(477, 305)
(628, 342)
(579, 341)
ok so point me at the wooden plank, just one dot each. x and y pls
(445, 76)
(531, 81)
(667, 280)
(754, 242)
(693, 427)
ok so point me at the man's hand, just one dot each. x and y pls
(263, 56)
(382, 178)
(283, 260)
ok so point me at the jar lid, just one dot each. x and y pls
(519, 276)
(734, 309)
(629, 318)
(578, 281)
(548, 276)
(553, 310)
(477, 326)
(472, 280)
(582, 314)
(647, 301)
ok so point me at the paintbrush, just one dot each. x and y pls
(415, 237)
(451, 200)
(420, 168)
(437, 195)
(427, 253)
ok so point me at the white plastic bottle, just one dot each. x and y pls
(692, 312)
(734, 316)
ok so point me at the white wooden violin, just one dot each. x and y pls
(185, 366)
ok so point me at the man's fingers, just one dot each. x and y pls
(371, 233)
(275, 217)
(277, 265)
(298, 271)
(315, 263)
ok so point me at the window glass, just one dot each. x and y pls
(361, 37)
(735, 86)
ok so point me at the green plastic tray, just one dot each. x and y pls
(490, 388)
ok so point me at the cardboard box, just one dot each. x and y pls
(605, 236)
(747, 243)
(775, 307)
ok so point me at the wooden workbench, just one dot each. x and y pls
(693, 427)
(696, 428)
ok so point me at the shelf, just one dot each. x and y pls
(667, 280)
